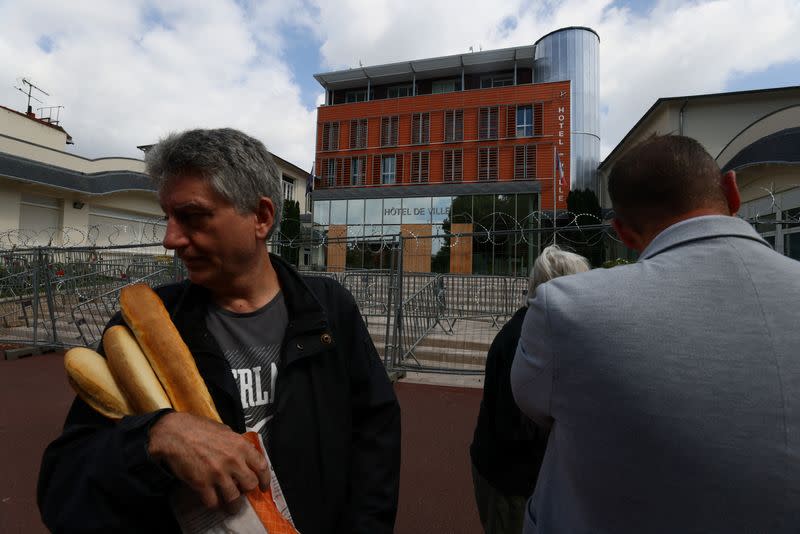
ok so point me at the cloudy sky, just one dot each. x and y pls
(129, 71)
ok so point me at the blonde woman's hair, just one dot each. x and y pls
(552, 263)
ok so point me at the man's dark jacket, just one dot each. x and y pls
(334, 440)
(507, 448)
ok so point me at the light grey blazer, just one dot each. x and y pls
(673, 385)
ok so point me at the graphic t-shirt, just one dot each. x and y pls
(251, 342)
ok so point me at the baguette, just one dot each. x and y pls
(132, 371)
(168, 355)
(90, 377)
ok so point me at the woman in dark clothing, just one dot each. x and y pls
(507, 448)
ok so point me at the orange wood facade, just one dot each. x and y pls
(551, 100)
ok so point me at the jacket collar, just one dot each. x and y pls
(699, 228)
(306, 314)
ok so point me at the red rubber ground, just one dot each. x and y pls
(435, 485)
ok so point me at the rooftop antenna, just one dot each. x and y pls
(28, 92)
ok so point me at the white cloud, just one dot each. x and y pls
(128, 72)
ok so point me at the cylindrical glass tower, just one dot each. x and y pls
(573, 54)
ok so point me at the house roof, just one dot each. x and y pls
(435, 67)
(664, 101)
(34, 172)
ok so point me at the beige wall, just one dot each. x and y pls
(22, 127)
(9, 211)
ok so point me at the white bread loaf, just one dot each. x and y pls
(132, 371)
(90, 377)
(168, 355)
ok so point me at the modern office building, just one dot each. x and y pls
(754, 133)
(476, 144)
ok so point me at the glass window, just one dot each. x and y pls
(389, 131)
(525, 162)
(420, 128)
(483, 211)
(398, 91)
(355, 211)
(359, 95)
(321, 214)
(524, 121)
(330, 136)
(355, 231)
(765, 223)
(791, 245)
(453, 125)
(288, 188)
(497, 80)
(358, 133)
(390, 230)
(388, 169)
(487, 163)
(462, 209)
(391, 210)
(373, 230)
(420, 162)
(452, 165)
(487, 123)
(417, 210)
(373, 211)
(357, 170)
(445, 86)
(330, 172)
(338, 211)
(440, 209)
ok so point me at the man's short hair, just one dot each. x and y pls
(552, 263)
(238, 167)
(663, 177)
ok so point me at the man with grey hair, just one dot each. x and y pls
(671, 385)
(507, 447)
(283, 355)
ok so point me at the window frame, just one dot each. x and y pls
(420, 167)
(359, 133)
(420, 128)
(526, 126)
(390, 128)
(456, 165)
(388, 173)
(488, 165)
(330, 136)
(456, 86)
(358, 170)
(497, 80)
(454, 125)
(488, 122)
(356, 92)
(408, 88)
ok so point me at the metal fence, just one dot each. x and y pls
(62, 297)
(423, 321)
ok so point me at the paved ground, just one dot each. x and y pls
(435, 486)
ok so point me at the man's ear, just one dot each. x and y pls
(265, 217)
(628, 236)
(731, 192)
